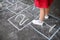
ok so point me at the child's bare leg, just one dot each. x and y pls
(41, 18)
(46, 11)
(42, 14)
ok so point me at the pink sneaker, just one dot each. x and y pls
(37, 22)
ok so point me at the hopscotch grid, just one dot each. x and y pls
(51, 27)
(21, 3)
(51, 36)
(16, 26)
(15, 3)
(36, 30)
(26, 25)
(39, 32)
(12, 23)
(45, 35)
(18, 2)
(23, 10)
(11, 4)
(31, 25)
(54, 33)
(20, 11)
(17, 14)
(7, 5)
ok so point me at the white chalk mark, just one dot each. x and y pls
(16, 6)
(24, 26)
(22, 21)
(11, 17)
(20, 15)
(11, 10)
(39, 32)
(23, 10)
(44, 35)
(52, 28)
(33, 8)
(13, 24)
(19, 29)
(54, 34)
(9, 2)
(47, 24)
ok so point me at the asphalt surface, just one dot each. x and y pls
(16, 17)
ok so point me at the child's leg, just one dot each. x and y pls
(42, 14)
(46, 11)
(41, 18)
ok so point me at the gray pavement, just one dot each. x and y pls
(16, 17)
